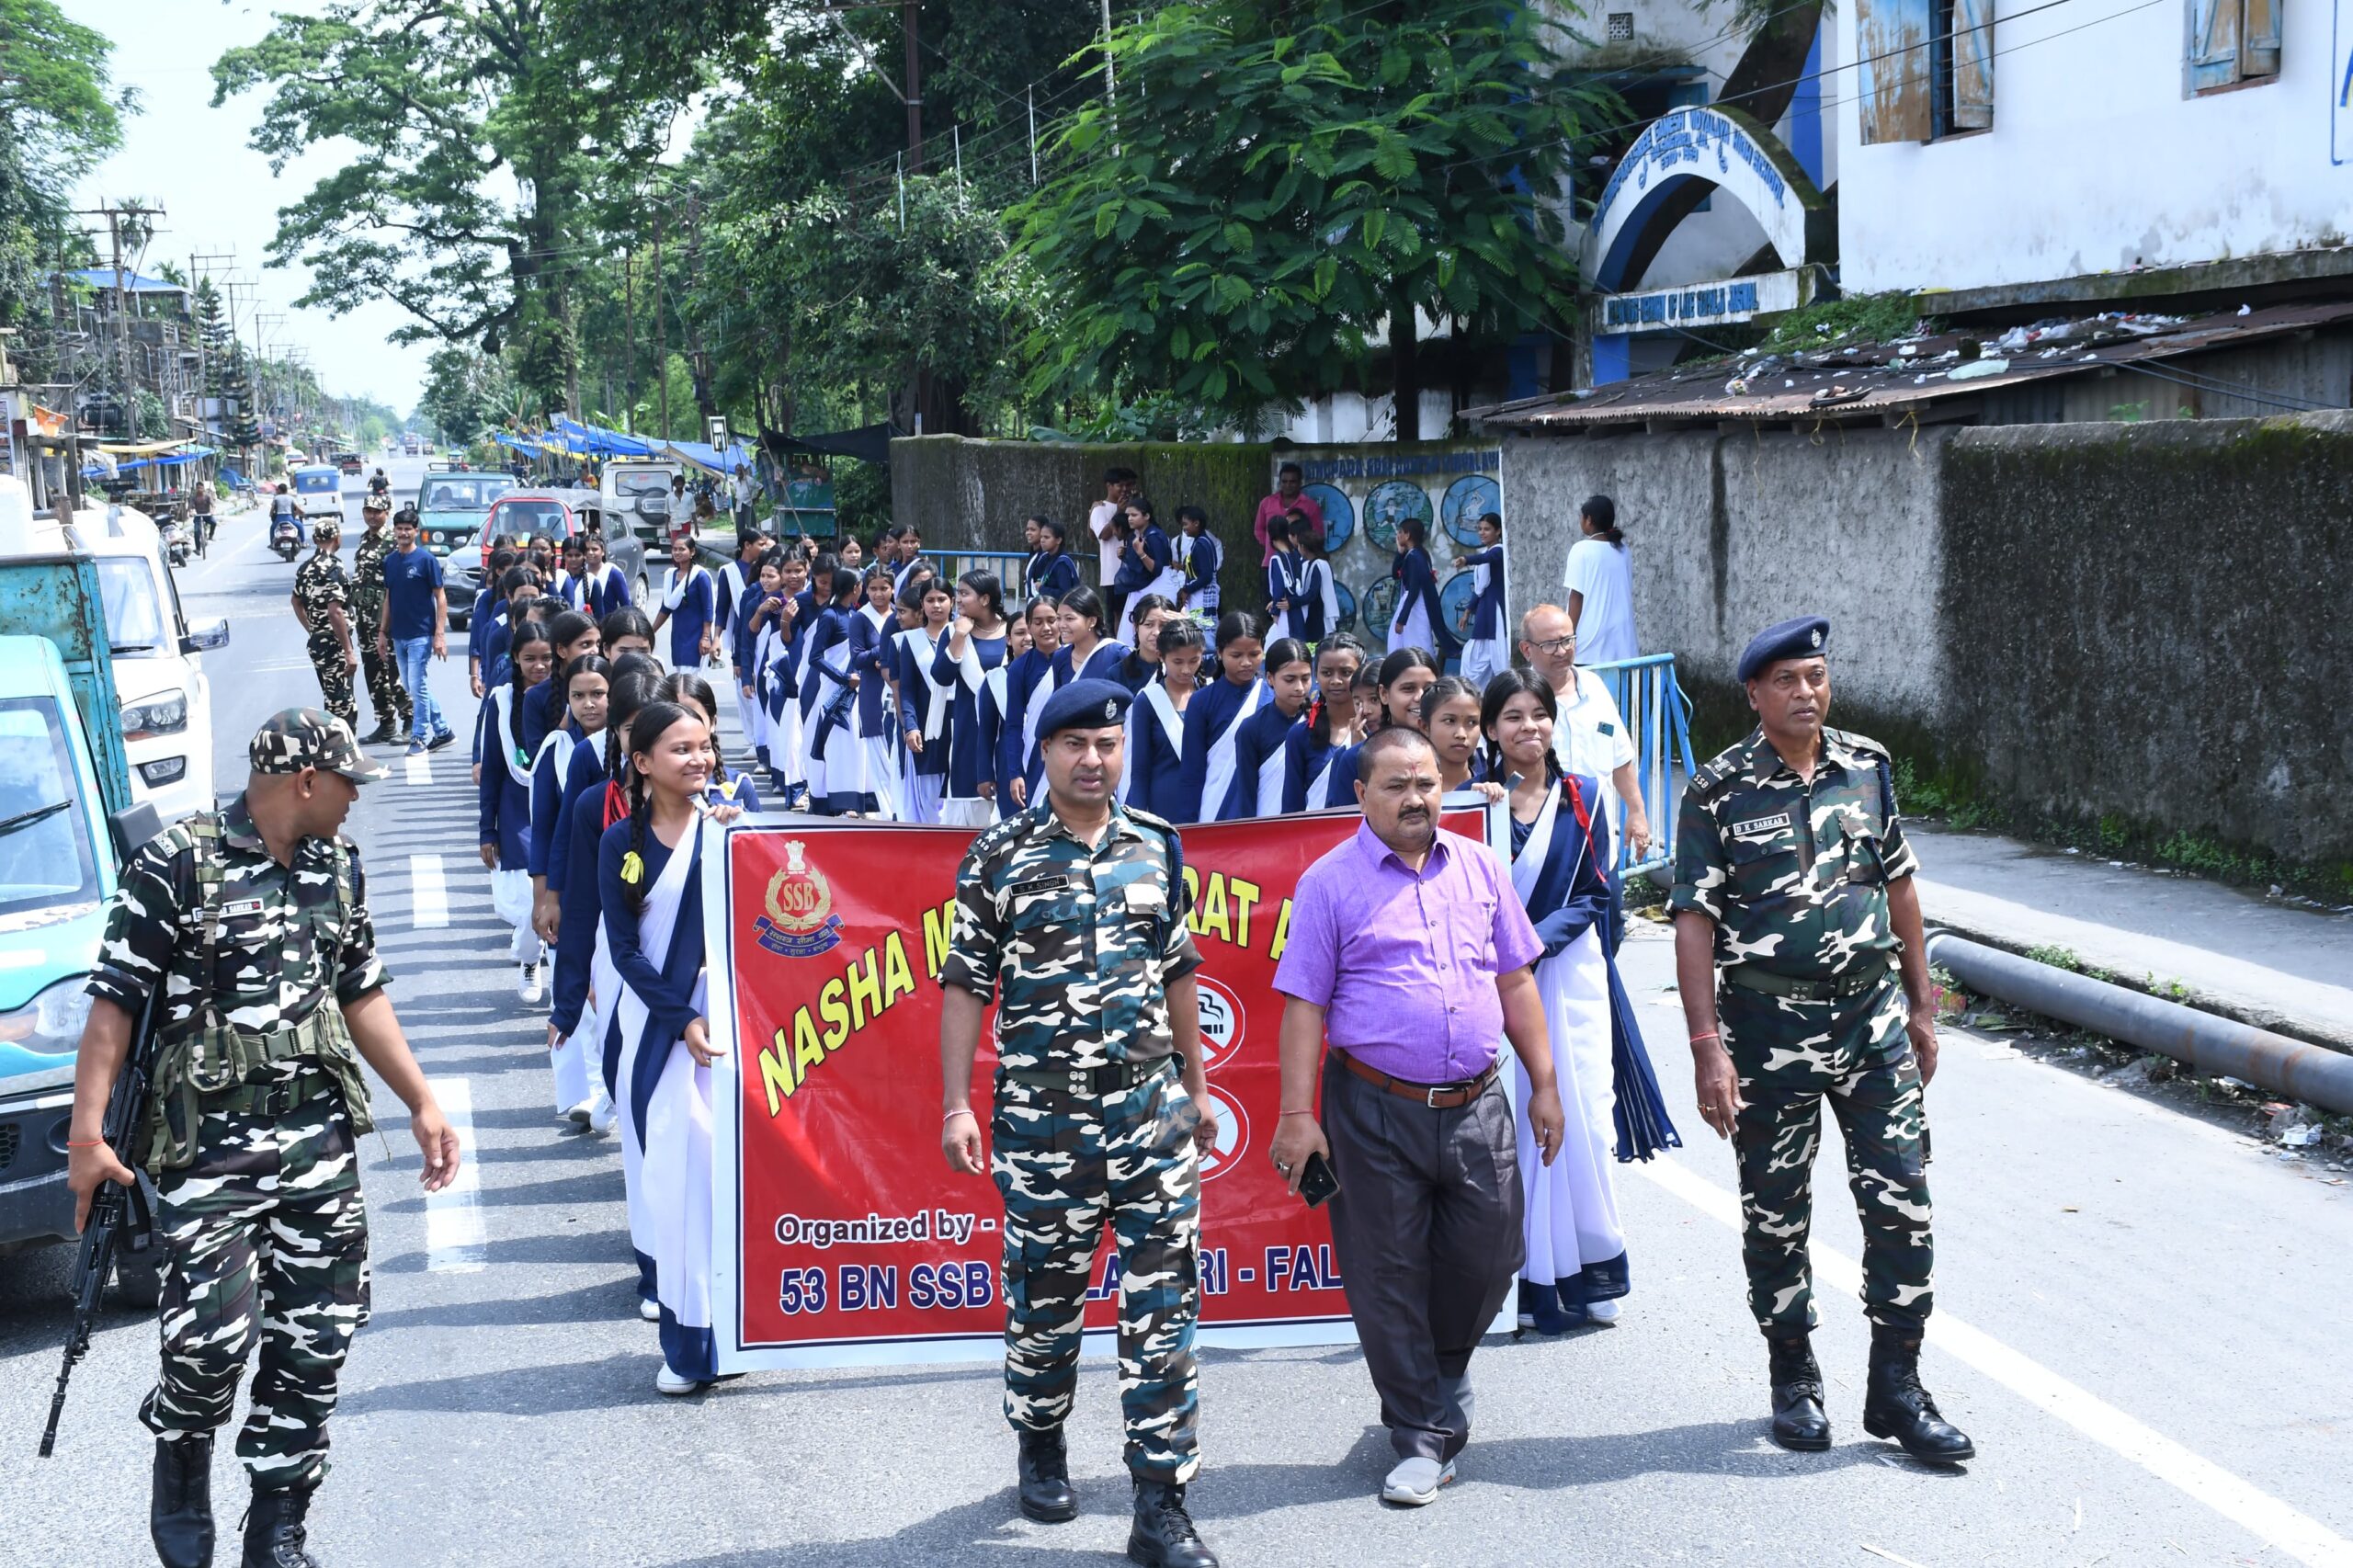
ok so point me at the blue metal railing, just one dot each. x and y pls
(1006, 563)
(1657, 716)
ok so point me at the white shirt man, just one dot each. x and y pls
(1589, 735)
(1117, 485)
(1601, 587)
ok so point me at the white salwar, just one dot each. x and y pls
(1571, 1205)
(1411, 629)
(671, 1190)
(920, 799)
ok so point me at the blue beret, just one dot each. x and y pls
(1807, 637)
(1084, 705)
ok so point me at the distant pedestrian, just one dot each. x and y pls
(322, 602)
(1118, 484)
(1100, 1110)
(415, 629)
(1419, 621)
(1200, 557)
(1799, 953)
(1601, 585)
(1410, 956)
(1290, 495)
(1589, 735)
(1484, 649)
(1050, 572)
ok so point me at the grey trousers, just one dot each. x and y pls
(1427, 1228)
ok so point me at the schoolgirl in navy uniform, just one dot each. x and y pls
(1158, 730)
(1329, 727)
(1215, 787)
(1260, 742)
(1028, 680)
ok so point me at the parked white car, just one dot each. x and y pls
(166, 698)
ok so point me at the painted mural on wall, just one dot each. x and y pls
(1365, 492)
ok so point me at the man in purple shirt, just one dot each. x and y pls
(1409, 953)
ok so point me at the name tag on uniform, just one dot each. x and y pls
(241, 906)
(1039, 884)
(1146, 896)
(1760, 825)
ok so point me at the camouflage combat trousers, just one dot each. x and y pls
(269, 1217)
(1789, 1055)
(386, 696)
(1066, 1163)
(334, 680)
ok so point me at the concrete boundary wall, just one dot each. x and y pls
(2136, 621)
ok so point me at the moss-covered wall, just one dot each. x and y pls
(972, 495)
(2141, 625)
(2147, 622)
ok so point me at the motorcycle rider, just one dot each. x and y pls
(201, 506)
(377, 484)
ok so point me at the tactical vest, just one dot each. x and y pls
(202, 1058)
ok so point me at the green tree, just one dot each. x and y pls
(465, 393)
(59, 113)
(243, 426)
(1279, 186)
(481, 129)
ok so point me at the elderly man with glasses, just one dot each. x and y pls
(1590, 736)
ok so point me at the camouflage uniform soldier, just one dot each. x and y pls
(322, 601)
(1803, 973)
(385, 694)
(1076, 909)
(254, 920)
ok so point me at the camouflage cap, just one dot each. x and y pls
(298, 738)
(321, 527)
(376, 503)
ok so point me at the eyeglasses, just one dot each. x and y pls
(1555, 645)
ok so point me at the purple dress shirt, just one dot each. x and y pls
(1405, 965)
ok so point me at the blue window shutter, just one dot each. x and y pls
(1973, 65)
(1892, 73)
(2213, 43)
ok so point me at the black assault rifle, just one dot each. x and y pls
(118, 1218)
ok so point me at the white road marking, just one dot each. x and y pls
(455, 1240)
(2293, 1532)
(417, 769)
(428, 893)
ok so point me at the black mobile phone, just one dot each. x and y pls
(1316, 1181)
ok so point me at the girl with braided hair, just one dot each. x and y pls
(1328, 729)
(649, 877)
(727, 787)
(505, 801)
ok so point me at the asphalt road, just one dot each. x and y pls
(2142, 1321)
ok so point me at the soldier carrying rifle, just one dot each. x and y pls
(253, 921)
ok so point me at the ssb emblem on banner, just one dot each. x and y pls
(800, 921)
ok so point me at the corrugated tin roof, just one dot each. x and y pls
(1887, 380)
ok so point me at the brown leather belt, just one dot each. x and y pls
(1438, 1096)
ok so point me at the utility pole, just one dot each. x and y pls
(909, 26)
(629, 331)
(661, 329)
(705, 404)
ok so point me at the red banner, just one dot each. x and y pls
(841, 1235)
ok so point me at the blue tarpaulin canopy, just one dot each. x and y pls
(160, 460)
(710, 459)
(133, 282)
(523, 444)
(590, 440)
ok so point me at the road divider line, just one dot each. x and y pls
(428, 892)
(417, 769)
(456, 1239)
(2279, 1524)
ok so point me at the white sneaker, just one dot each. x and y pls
(600, 1111)
(581, 1114)
(1415, 1482)
(1601, 1312)
(529, 987)
(650, 1311)
(666, 1382)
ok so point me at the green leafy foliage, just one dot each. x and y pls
(1274, 183)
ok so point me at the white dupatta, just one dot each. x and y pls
(1153, 700)
(1271, 781)
(936, 693)
(518, 768)
(1220, 778)
(674, 593)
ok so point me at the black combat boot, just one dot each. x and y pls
(378, 736)
(179, 1514)
(1799, 1423)
(1163, 1535)
(1896, 1405)
(1046, 1496)
(274, 1532)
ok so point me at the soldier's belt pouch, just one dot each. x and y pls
(1750, 977)
(221, 1069)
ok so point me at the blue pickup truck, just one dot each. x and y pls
(67, 823)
